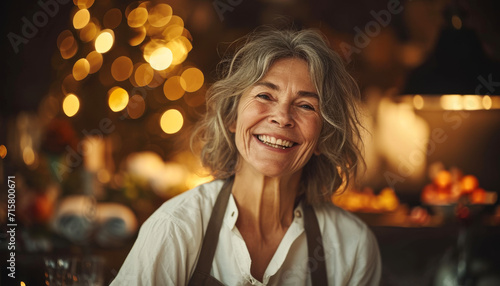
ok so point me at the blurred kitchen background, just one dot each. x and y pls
(98, 100)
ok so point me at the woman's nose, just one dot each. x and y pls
(281, 115)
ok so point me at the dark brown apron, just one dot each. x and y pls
(316, 254)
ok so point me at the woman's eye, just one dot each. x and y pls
(263, 96)
(307, 106)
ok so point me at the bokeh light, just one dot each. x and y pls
(122, 68)
(136, 106)
(171, 121)
(451, 102)
(137, 17)
(3, 151)
(144, 75)
(456, 22)
(176, 21)
(83, 4)
(103, 176)
(192, 79)
(160, 15)
(66, 44)
(150, 47)
(173, 88)
(180, 47)
(95, 61)
(149, 27)
(161, 58)
(472, 102)
(81, 19)
(487, 102)
(118, 99)
(158, 79)
(172, 31)
(71, 105)
(112, 18)
(81, 69)
(88, 33)
(104, 41)
(418, 102)
(29, 156)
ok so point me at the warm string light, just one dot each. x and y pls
(452, 102)
(163, 42)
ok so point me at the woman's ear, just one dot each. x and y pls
(232, 127)
(316, 151)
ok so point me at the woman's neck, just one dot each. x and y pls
(265, 204)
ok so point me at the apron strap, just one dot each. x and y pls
(315, 249)
(316, 253)
(211, 238)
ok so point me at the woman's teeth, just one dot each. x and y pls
(275, 143)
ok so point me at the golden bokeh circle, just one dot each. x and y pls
(171, 121)
(173, 88)
(71, 105)
(144, 74)
(88, 33)
(192, 79)
(137, 17)
(95, 60)
(104, 41)
(122, 68)
(81, 18)
(160, 15)
(81, 69)
(161, 58)
(118, 99)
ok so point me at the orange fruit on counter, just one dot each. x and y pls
(419, 216)
(429, 194)
(469, 183)
(388, 200)
(478, 196)
(443, 195)
(443, 179)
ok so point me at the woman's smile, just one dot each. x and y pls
(274, 142)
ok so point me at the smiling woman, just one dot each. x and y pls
(280, 136)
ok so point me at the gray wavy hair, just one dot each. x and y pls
(339, 141)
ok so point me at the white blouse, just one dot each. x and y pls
(169, 242)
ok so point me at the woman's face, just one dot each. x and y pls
(278, 122)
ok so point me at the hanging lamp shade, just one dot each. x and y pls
(458, 65)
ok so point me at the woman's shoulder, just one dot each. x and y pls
(191, 205)
(333, 216)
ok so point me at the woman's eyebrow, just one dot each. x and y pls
(272, 86)
(267, 84)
